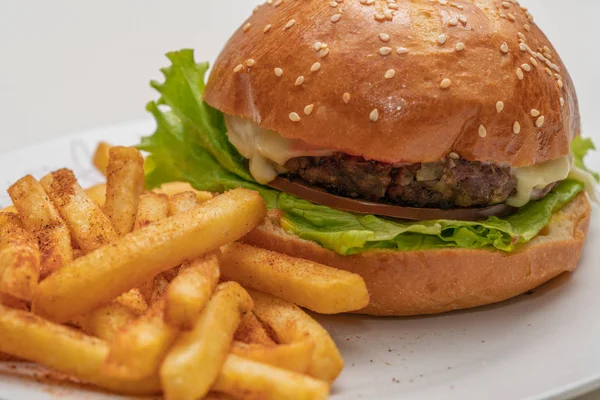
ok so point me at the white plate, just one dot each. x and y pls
(540, 346)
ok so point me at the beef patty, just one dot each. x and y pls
(446, 184)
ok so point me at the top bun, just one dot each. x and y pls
(401, 81)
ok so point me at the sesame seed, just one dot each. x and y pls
(333, 4)
(384, 51)
(309, 109)
(336, 17)
(374, 116)
(527, 27)
(267, 28)
(384, 37)
(393, 6)
(315, 67)
(533, 62)
(560, 83)
(290, 23)
(462, 19)
(453, 22)
(520, 74)
(482, 131)
(505, 4)
(460, 46)
(299, 81)
(445, 84)
(401, 50)
(526, 67)
(379, 17)
(516, 127)
(453, 156)
(442, 39)
(278, 71)
(562, 102)
(548, 71)
(238, 68)
(504, 48)
(511, 17)
(323, 52)
(250, 62)
(294, 117)
(317, 46)
(390, 73)
(540, 121)
(521, 36)
(523, 47)
(499, 106)
(277, 3)
(346, 98)
(535, 113)
(247, 26)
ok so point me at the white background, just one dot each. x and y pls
(67, 65)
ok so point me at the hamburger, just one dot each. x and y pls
(430, 146)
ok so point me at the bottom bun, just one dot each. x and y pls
(403, 283)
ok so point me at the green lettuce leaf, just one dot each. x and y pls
(190, 144)
(580, 147)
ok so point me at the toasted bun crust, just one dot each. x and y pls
(434, 281)
(418, 120)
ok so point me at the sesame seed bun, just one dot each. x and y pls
(401, 82)
(406, 283)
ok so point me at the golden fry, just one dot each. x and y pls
(295, 357)
(194, 362)
(124, 185)
(19, 262)
(98, 277)
(9, 209)
(182, 202)
(40, 217)
(133, 300)
(101, 157)
(292, 325)
(252, 331)
(252, 380)
(12, 302)
(189, 292)
(173, 188)
(89, 227)
(10, 218)
(97, 194)
(137, 351)
(28, 336)
(319, 288)
(152, 208)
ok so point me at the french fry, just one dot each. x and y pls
(89, 227)
(12, 302)
(40, 217)
(193, 363)
(319, 288)
(97, 194)
(19, 262)
(252, 331)
(189, 292)
(295, 357)
(101, 157)
(30, 337)
(8, 209)
(137, 350)
(251, 380)
(10, 218)
(173, 188)
(124, 185)
(152, 208)
(182, 202)
(133, 300)
(292, 325)
(159, 288)
(98, 277)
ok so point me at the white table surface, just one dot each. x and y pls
(68, 65)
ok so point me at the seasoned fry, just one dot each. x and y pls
(124, 185)
(292, 325)
(252, 380)
(19, 262)
(182, 202)
(189, 292)
(101, 157)
(10, 218)
(97, 194)
(173, 188)
(89, 227)
(9, 209)
(137, 351)
(28, 336)
(252, 331)
(10, 301)
(319, 288)
(97, 277)
(194, 362)
(295, 357)
(40, 217)
(152, 208)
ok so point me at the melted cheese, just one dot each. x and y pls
(588, 180)
(266, 150)
(538, 177)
